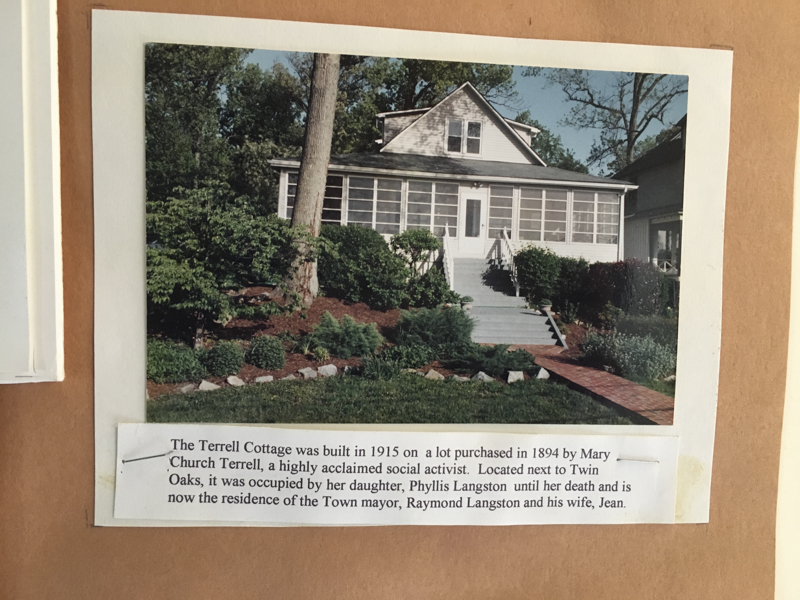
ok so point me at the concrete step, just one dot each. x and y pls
(514, 339)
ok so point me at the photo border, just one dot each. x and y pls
(118, 41)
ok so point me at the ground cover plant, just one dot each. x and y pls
(433, 327)
(403, 398)
(345, 338)
(493, 360)
(631, 356)
(171, 362)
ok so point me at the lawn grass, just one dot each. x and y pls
(407, 398)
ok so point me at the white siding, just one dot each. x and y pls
(394, 125)
(427, 135)
(591, 252)
(523, 132)
(636, 239)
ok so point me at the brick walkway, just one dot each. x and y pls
(654, 407)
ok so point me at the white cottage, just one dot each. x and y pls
(462, 171)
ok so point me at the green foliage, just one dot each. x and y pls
(410, 357)
(266, 352)
(465, 299)
(430, 290)
(320, 354)
(379, 367)
(404, 399)
(569, 312)
(662, 330)
(256, 312)
(630, 285)
(537, 270)
(545, 302)
(549, 146)
(433, 327)
(492, 360)
(358, 266)
(223, 359)
(170, 362)
(415, 246)
(570, 281)
(346, 338)
(631, 356)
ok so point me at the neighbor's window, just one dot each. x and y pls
(432, 206)
(374, 203)
(331, 204)
(500, 210)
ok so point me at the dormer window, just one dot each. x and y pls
(458, 142)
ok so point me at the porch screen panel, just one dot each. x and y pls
(332, 203)
(445, 209)
(555, 216)
(500, 210)
(418, 211)
(583, 217)
(607, 218)
(291, 194)
(530, 214)
(387, 213)
(361, 201)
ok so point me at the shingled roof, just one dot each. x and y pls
(459, 168)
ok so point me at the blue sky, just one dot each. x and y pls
(546, 103)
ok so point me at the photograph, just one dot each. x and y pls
(365, 239)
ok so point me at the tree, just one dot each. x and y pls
(621, 106)
(307, 213)
(549, 147)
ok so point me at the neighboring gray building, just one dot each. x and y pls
(653, 215)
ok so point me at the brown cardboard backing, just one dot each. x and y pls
(50, 549)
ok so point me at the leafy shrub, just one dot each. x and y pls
(357, 265)
(223, 359)
(347, 338)
(433, 327)
(492, 360)
(410, 357)
(415, 246)
(260, 311)
(537, 271)
(320, 354)
(630, 285)
(662, 330)
(170, 362)
(569, 312)
(631, 356)
(379, 367)
(570, 281)
(266, 352)
(430, 289)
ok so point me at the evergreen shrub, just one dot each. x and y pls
(266, 352)
(346, 338)
(433, 327)
(379, 367)
(492, 360)
(537, 271)
(223, 359)
(413, 356)
(356, 264)
(430, 289)
(662, 330)
(170, 362)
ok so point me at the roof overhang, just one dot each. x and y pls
(622, 186)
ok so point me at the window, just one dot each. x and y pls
(432, 206)
(555, 216)
(459, 143)
(500, 210)
(374, 203)
(530, 214)
(331, 204)
(595, 217)
(473, 138)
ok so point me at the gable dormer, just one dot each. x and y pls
(463, 125)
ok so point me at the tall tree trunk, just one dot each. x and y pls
(313, 172)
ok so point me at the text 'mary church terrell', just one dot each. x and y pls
(459, 168)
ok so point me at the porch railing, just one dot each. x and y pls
(447, 259)
(507, 258)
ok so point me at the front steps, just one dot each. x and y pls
(500, 317)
